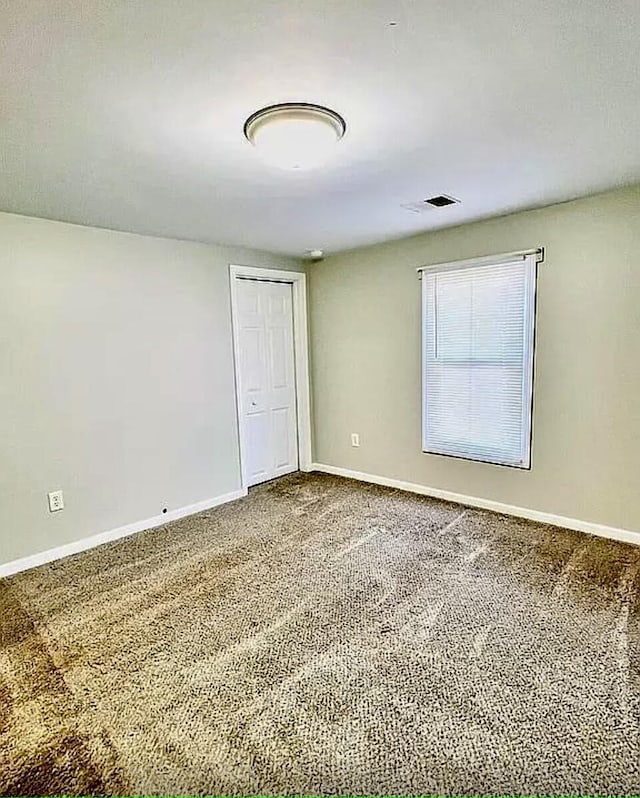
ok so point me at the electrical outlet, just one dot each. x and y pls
(56, 501)
(355, 439)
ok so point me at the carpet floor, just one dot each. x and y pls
(324, 636)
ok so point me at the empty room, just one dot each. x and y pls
(319, 397)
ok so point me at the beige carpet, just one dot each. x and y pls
(324, 636)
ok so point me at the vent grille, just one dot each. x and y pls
(439, 201)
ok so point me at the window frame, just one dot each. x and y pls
(531, 259)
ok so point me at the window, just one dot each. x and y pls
(478, 322)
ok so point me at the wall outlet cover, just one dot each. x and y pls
(56, 501)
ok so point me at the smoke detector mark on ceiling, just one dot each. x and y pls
(439, 201)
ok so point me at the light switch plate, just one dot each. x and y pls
(355, 439)
(56, 501)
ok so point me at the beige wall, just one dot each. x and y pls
(365, 328)
(116, 378)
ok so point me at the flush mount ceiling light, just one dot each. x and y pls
(295, 135)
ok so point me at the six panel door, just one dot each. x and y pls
(267, 379)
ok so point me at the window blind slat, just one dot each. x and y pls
(478, 361)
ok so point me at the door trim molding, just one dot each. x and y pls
(298, 281)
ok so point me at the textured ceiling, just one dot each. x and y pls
(129, 115)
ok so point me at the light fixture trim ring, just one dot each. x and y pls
(261, 114)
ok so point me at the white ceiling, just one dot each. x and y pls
(128, 114)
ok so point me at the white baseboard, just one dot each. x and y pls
(613, 533)
(76, 546)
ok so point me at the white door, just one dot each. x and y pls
(269, 427)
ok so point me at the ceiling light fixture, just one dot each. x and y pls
(295, 135)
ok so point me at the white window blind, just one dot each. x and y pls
(478, 330)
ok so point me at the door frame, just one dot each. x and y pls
(298, 282)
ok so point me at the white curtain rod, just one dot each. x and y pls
(504, 257)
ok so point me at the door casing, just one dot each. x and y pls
(298, 281)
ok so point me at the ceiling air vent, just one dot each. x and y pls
(440, 201)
